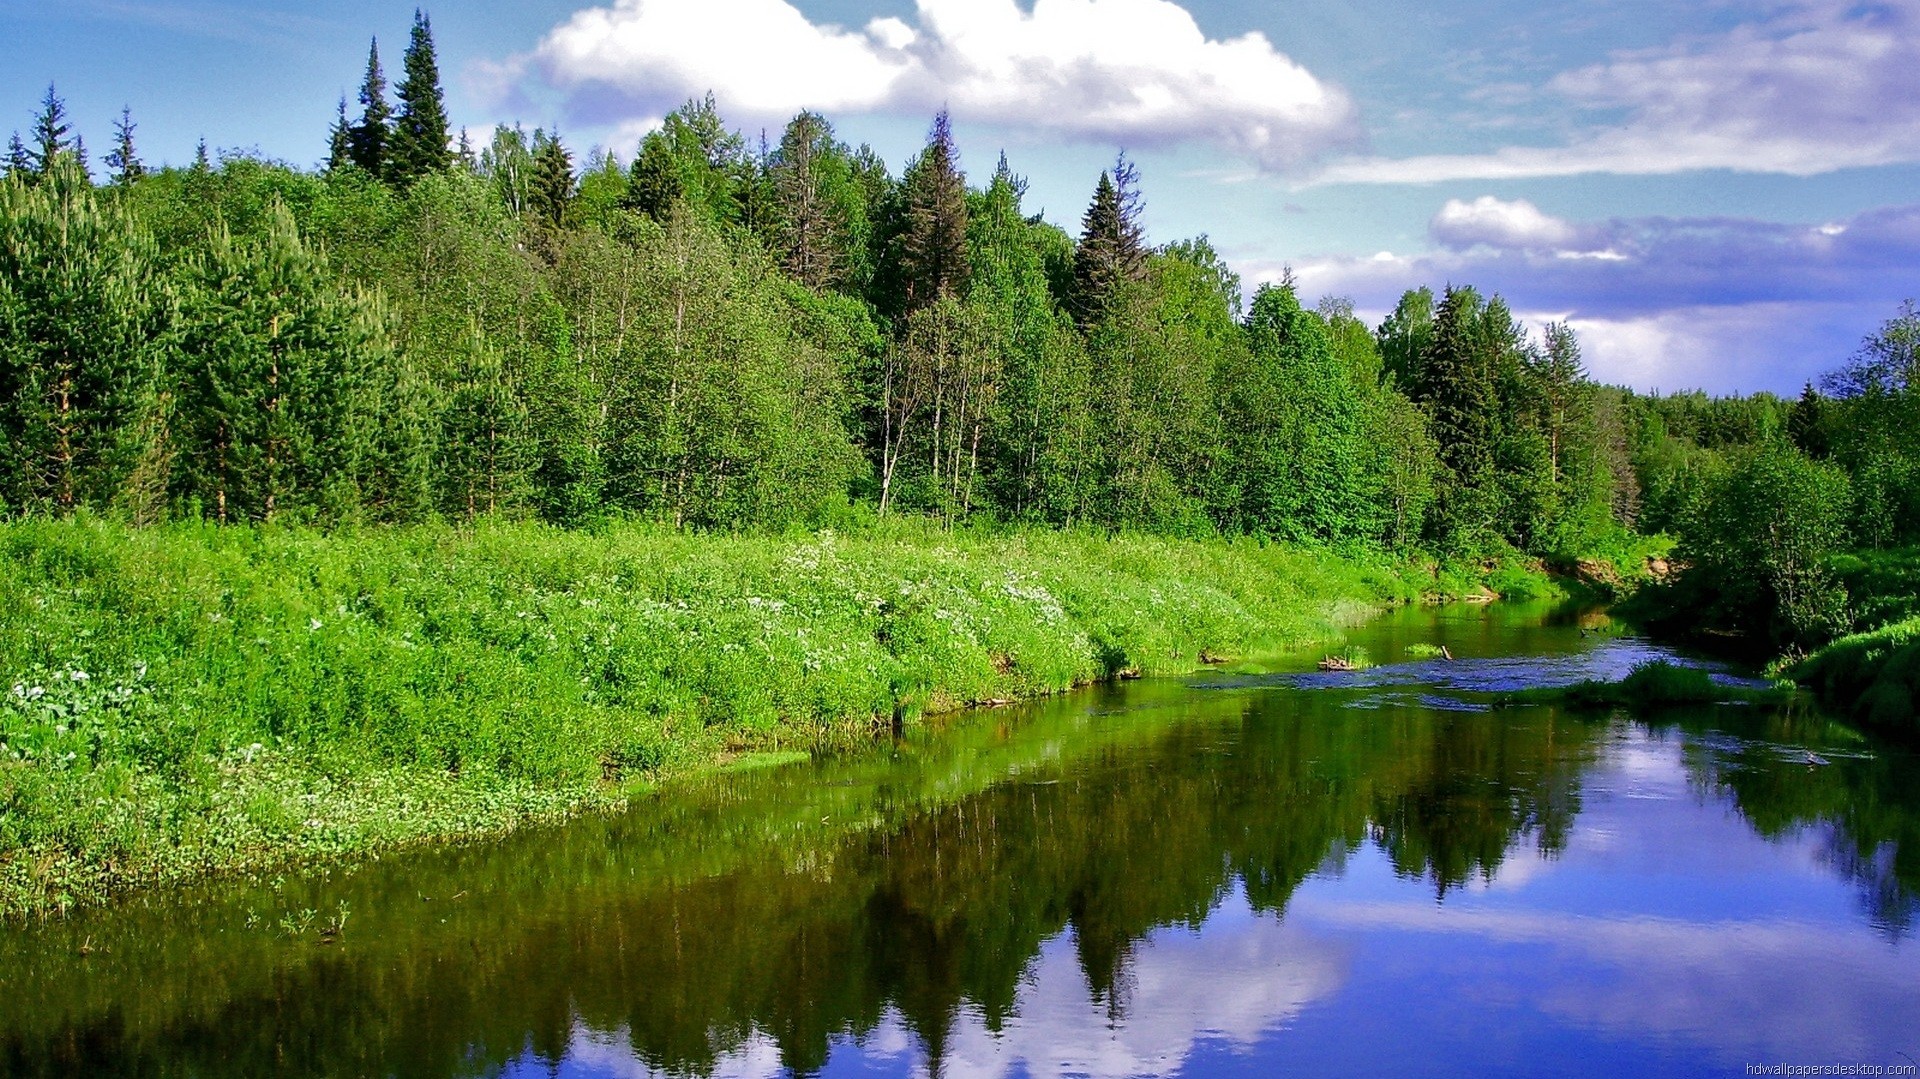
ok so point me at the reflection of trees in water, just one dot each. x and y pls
(1863, 801)
(642, 926)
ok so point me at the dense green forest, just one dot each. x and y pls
(730, 335)
(509, 350)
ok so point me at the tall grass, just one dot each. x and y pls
(191, 699)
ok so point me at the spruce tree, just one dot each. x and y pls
(932, 246)
(809, 222)
(420, 132)
(1455, 385)
(50, 131)
(1113, 248)
(553, 180)
(367, 142)
(340, 139)
(123, 159)
(655, 178)
(19, 160)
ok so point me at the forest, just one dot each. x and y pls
(427, 337)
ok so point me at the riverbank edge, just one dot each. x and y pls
(253, 809)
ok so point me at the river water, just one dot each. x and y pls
(1233, 874)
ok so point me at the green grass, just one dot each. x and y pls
(1871, 678)
(1656, 684)
(191, 700)
(1425, 651)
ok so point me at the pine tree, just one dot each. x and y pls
(465, 156)
(932, 247)
(340, 139)
(123, 159)
(553, 180)
(50, 131)
(202, 160)
(1112, 247)
(367, 142)
(274, 410)
(420, 132)
(85, 320)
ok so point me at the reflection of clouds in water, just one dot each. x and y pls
(1704, 981)
(593, 1053)
(1240, 978)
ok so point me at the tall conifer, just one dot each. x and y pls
(420, 134)
(340, 139)
(50, 131)
(933, 245)
(367, 142)
(552, 178)
(123, 159)
(1113, 247)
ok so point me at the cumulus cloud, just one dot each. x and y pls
(1494, 223)
(1809, 91)
(1135, 71)
(1723, 304)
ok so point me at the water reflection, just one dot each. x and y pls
(1160, 878)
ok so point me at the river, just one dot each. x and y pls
(1232, 874)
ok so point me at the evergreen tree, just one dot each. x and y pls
(932, 247)
(811, 224)
(1454, 384)
(275, 413)
(1807, 424)
(465, 156)
(202, 160)
(50, 131)
(19, 160)
(655, 183)
(420, 133)
(85, 323)
(368, 141)
(552, 182)
(123, 159)
(1112, 247)
(486, 448)
(340, 139)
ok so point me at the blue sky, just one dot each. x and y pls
(1716, 195)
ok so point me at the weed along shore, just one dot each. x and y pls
(193, 700)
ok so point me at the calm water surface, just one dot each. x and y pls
(1231, 875)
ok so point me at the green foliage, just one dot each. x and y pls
(185, 688)
(1652, 685)
(421, 142)
(1873, 677)
(1759, 540)
(87, 321)
(369, 139)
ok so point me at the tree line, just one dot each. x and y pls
(734, 334)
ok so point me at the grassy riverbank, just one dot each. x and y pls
(1873, 676)
(191, 700)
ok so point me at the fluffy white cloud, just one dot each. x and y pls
(1134, 71)
(1489, 221)
(1807, 92)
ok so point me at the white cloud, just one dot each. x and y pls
(1135, 71)
(1489, 221)
(1811, 91)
